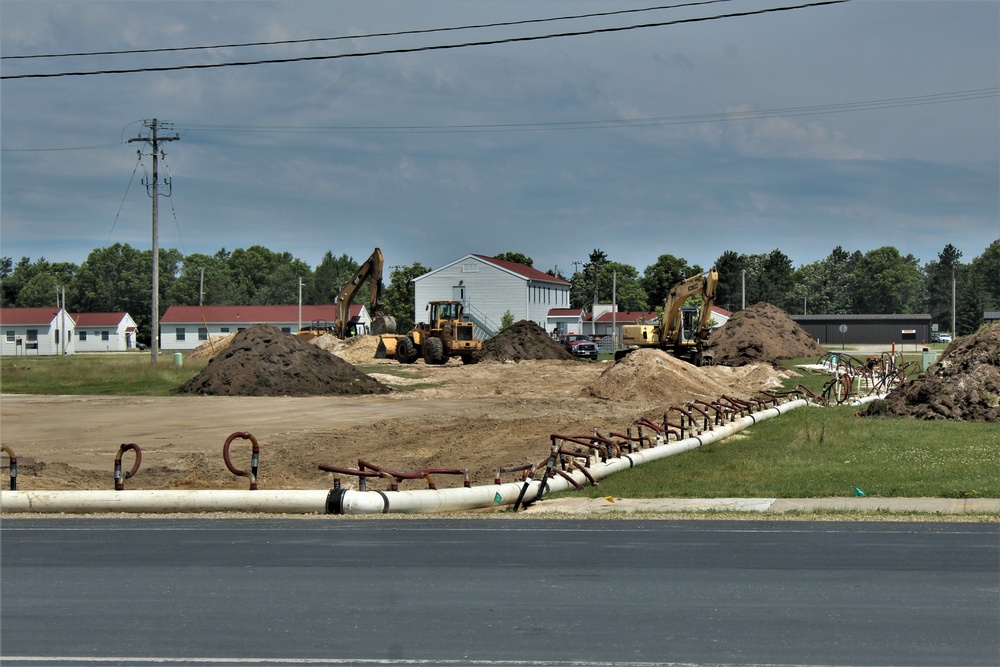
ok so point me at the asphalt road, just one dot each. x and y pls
(497, 591)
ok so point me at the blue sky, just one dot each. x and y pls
(862, 124)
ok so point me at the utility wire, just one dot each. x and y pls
(439, 47)
(399, 33)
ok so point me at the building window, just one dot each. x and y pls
(83, 336)
(470, 267)
(179, 332)
(286, 330)
(202, 333)
(105, 335)
(10, 336)
(224, 329)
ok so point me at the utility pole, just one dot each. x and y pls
(954, 334)
(201, 287)
(154, 141)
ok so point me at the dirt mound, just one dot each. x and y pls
(654, 375)
(963, 385)
(354, 350)
(761, 333)
(520, 341)
(263, 361)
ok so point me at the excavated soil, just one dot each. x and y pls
(761, 334)
(263, 361)
(963, 385)
(523, 340)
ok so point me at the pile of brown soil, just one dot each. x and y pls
(964, 385)
(520, 341)
(761, 333)
(263, 361)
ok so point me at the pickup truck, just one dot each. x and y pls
(580, 345)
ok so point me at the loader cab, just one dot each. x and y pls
(443, 313)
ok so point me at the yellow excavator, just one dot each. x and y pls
(682, 330)
(370, 270)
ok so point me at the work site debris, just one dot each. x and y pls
(263, 361)
(964, 385)
(761, 333)
(520, 341)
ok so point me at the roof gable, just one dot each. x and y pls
(99, 319)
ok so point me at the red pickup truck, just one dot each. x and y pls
(580, 345)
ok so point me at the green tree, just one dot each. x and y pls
(398, 297)
(659, 278)
(729, 293)
(985, 276)
(506, 320)
(116, 278)
(585, 286)
(41, 291)
(517, 257)
(189, 286)
(939, 278)
(884, 282)
(330, 276)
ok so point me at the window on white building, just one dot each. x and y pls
(470, 267)
(83, 336)
(202, 333)
(105, 335)
(179, 332)
(10, 336)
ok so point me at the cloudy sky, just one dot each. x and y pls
(860, 124)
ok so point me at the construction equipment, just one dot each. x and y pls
(370, 270)
(444, 336)
(682, 330)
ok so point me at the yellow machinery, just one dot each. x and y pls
(446, 335)
(682, 330)
(370, 270)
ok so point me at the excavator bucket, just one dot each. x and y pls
(386, 347)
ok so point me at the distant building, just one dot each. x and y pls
(35, 331)
(104, 332)
(866, 329)
(187, 327)
(991, 316)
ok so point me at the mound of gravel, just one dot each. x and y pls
(520, 341)
(964, 385)
(263, 361)
(761, 333)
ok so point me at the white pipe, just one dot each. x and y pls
(349, 501)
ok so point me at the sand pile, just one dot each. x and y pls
(354, 350)
(263, 361)
(523, 340)
(214, 346)
(963, 385)
(654, 375)
(761, 333)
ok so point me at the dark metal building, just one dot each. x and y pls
(866, 329)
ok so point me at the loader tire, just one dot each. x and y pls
(434, 351)
(406, 353)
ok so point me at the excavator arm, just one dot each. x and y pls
(703, 284)
(370, 270)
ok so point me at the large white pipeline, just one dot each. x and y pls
(349, 501)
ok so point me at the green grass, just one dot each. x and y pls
(826, 452)
(96, 375)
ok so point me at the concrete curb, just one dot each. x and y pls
(766, 505)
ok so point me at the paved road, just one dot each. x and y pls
(474, 592)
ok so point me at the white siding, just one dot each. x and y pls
(110, 338)
(45, 341)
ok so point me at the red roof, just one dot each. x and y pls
(12, 316)
(566, 312)
(98, 319)
(252, 314)
(522, 270)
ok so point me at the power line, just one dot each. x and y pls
(400, 33)
(438, 47)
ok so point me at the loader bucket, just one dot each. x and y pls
(386, 347)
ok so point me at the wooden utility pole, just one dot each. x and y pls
(154, 141)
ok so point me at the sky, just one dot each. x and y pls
(862, 124)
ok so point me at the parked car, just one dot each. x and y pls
(941, 338)
(580, 345)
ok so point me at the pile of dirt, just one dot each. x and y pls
(654, 375)
(523, 340)
(215, 345)
(761, 333)
(354, 350)
(963, 385)
(263, 361)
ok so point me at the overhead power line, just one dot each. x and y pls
(438, 47)
(399, 33)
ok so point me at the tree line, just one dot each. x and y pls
(116, 278)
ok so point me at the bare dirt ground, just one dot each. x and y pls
(476, 417)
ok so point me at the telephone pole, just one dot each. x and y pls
(154, 141)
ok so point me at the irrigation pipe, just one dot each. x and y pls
(349, 501)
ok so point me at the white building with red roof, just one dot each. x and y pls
(187, 327)
(104, 332)
(490, 287)
(35, 331)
